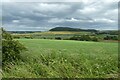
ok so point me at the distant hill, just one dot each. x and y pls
(71, 29)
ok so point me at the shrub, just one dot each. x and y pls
(11, 48)
(110, 38)
(16, 37)
(95, 39)
(75, 38)
(81, 38)
(44, 37)
(28, 37)
(84, 38)
(58, 38)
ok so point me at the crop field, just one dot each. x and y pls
(50, 34)
(54, 32)
(65, 59)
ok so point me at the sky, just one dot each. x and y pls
(39, 15)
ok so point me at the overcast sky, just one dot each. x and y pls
(42, 16)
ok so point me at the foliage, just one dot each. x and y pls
(84, 38)
(114, 32)
(110, 38)
(11, 48)
(58, 38)
(95, 39)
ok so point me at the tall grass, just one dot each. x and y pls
(65, 59)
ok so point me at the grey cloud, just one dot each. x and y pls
(43, 16)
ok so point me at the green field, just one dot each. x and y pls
(64, 58)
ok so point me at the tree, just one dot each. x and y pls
(11, 48)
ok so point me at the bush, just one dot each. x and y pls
(16, 37)
(75, 38)
(11, 48)
(84, 38)
(28, 37)
(81, 38)
(95, 39)
(58, 38)
(110, 38)
(44, 37)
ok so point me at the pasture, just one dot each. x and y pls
(65, 59)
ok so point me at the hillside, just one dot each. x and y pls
(71, 29)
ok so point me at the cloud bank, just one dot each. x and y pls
(42, 16)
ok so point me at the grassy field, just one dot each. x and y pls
(64, 58)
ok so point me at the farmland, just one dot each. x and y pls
(47, 58)
(69, 35)
(49, 34)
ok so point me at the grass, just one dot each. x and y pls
(64, 58)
